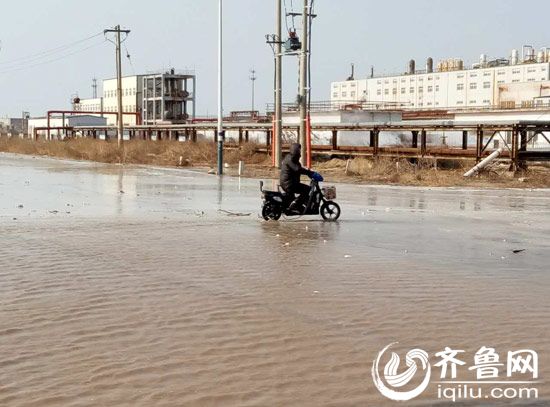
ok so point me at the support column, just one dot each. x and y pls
(246, 136)
(335, 139)
(423, 143)
(240, 135)
(415, 139)
(465, 139)
(371, 138)
(376, 142)
(479, 143)
(268, 138)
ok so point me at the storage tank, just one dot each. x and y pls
(514, 60)
(541, 56)
(412, 67)
(430, 65)
(459, 63)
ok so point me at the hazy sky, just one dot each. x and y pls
(183, 34)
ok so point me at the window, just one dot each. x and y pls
(403, 90)
(420, 89)
(516, 71)
(412, 79)
(430, 89)
(460, 102)
(500, 73)
(394, 91)
(335, 86)
(500, 82)
(531, 80)
(411, 90)
(473, 85)
(395, 81)
(473, 75)
(386, 81)
(515, 81)
(531, 70)
(437, 88)
(379, 82)
(486, 85)
(429, 103)
(386, 91)
(352, 94)
(420, 79)
(353, 85)
(344, 94)
(460, 76)
(335, 95)
(430, 78)
(472, 102)
(487, 102)
(486, 73)
(460, 86)
(402, 80)
(379, 92)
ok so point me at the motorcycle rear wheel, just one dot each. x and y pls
(271, 213)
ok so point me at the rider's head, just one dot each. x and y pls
(295, 152)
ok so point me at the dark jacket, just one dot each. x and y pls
(291, 169)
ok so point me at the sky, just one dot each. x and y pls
(183, 34)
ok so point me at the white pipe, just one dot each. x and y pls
(484, 163)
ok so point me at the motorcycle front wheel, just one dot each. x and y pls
(330, 211)
(269, 212)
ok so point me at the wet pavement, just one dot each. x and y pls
(140, 286)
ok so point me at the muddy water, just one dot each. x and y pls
(129, 287)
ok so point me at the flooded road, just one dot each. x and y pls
(137, 287)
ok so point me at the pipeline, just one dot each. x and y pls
(484, 163)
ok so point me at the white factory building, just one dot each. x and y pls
(58, 121)
(502, 84)
(159, 98)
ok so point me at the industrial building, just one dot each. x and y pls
(59, 122)
(13, 126)
(159, 98)
(502, 84)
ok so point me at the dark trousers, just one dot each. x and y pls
(300, 189)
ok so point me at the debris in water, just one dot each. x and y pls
(518, 251)
(347, 256)
(20, 206)
(234, 213)
(54, 212)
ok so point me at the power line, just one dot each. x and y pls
(47, 53)
(24, 67)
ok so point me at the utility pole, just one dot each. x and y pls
(253, 80)
(278, 85)
(221, 134)
(94, 88)
(302, 98)
(120, 118)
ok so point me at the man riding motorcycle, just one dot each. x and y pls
(291, 170)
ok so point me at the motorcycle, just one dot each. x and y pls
(320, 201)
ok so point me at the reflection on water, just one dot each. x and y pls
(133, 299)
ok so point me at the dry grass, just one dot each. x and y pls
(165, 153)
(425, 172)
